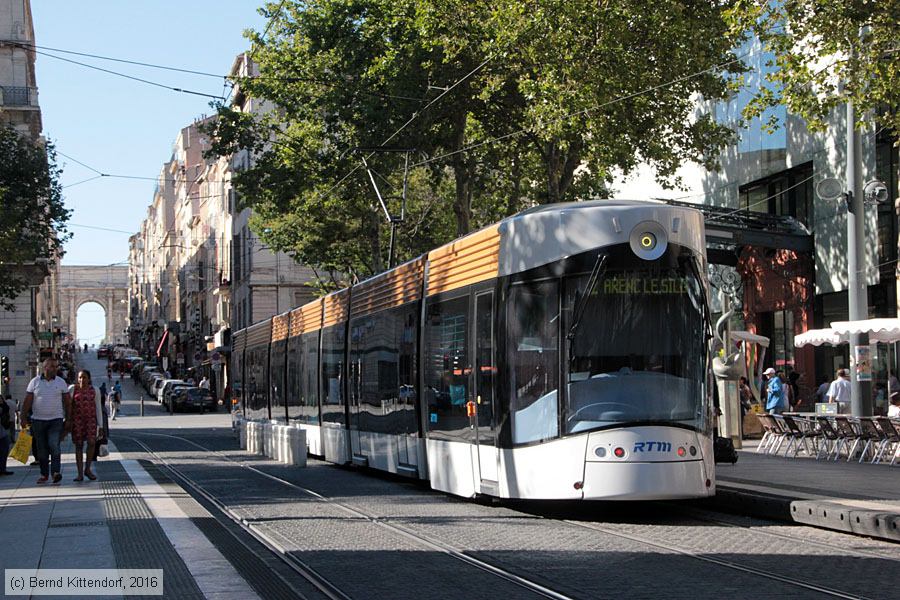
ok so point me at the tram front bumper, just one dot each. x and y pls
(646, 480)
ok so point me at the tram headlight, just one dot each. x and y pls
(681, 451)
(619, 452)
(648, 240)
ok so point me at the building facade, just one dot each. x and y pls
(785, 291)
(33, 330)
(196, 269)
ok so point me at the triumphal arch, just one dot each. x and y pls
(107, 286)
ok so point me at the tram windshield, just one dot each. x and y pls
(637, 352)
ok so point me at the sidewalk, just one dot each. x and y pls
(124, 520)
(855, 498)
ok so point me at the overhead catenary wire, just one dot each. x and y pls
(132, 77)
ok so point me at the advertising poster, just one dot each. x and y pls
(863, 363)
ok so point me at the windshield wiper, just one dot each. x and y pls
(581, 303)
(694, 262)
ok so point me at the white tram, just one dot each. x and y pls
(559, 354)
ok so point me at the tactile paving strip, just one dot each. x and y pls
(138, 541)
(257, 569)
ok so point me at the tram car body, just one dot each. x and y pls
(559, 354)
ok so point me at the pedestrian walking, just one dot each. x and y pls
(49, 405)
(87, 414)
(116, 399)
(13, 407)
(775, 397)
(204, 383)
(839, 390)
(7, 424)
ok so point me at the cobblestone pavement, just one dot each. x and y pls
(643, 551)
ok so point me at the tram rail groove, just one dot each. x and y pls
(324, 586)
(422, 540)
(709, 517)
(717, 561)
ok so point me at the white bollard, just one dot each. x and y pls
(276, 442)
(297, 447)
(260, 441)
(283, 451)
(250, 433)
(242, 432)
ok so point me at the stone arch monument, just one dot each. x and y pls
(107, 286)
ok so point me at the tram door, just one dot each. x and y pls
(485, 442)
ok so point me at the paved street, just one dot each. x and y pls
(376, 536)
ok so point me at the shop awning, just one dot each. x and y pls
(819, 337)
(162, 341)
(879, 330)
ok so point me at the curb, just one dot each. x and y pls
(882, 524)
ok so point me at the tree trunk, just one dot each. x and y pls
(462, 207)
(561, 165)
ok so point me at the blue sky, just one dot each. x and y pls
(120, 126)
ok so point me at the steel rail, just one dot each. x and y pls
(321, 583)
(709, 517)
(426, 541)
(717, 561)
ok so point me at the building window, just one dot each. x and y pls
(787, 194)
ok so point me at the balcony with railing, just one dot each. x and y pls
(18, 96)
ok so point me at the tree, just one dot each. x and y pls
(825, 53)
(32, 212)
(511, 104)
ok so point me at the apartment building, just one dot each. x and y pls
(28, 332)
(197, 269)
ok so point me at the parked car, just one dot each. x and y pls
(193, 397)
(171, 388)
(155, 382)
(102, 352)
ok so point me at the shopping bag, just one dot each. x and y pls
(102, 450)
(22, 448)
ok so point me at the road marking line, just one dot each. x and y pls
(212, 571)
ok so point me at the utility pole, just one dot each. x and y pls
(860, 389)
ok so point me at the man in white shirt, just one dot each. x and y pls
(47, 408)
(204, 383)
(839, 390)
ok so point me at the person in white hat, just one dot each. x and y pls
(774, 392)
(894, 408)
(839, 390)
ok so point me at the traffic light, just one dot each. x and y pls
(4, 368)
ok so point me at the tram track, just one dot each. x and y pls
(459, 554)
(710, 517)
(717, 561)
(330, 590)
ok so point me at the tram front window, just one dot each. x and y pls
(636, 355)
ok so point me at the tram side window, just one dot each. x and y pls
(257, 367)
(294, 375)
(333, 339)
(533, 360)
(276, 379)
(309, 377)
(447, 366)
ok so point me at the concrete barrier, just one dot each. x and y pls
(250, 435)
(296, 447)
(278, 442)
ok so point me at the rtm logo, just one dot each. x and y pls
(652, 447)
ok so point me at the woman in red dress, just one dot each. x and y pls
(86, 414)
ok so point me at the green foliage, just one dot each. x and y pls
(827, 52)
(507, 104)
(32, 212)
